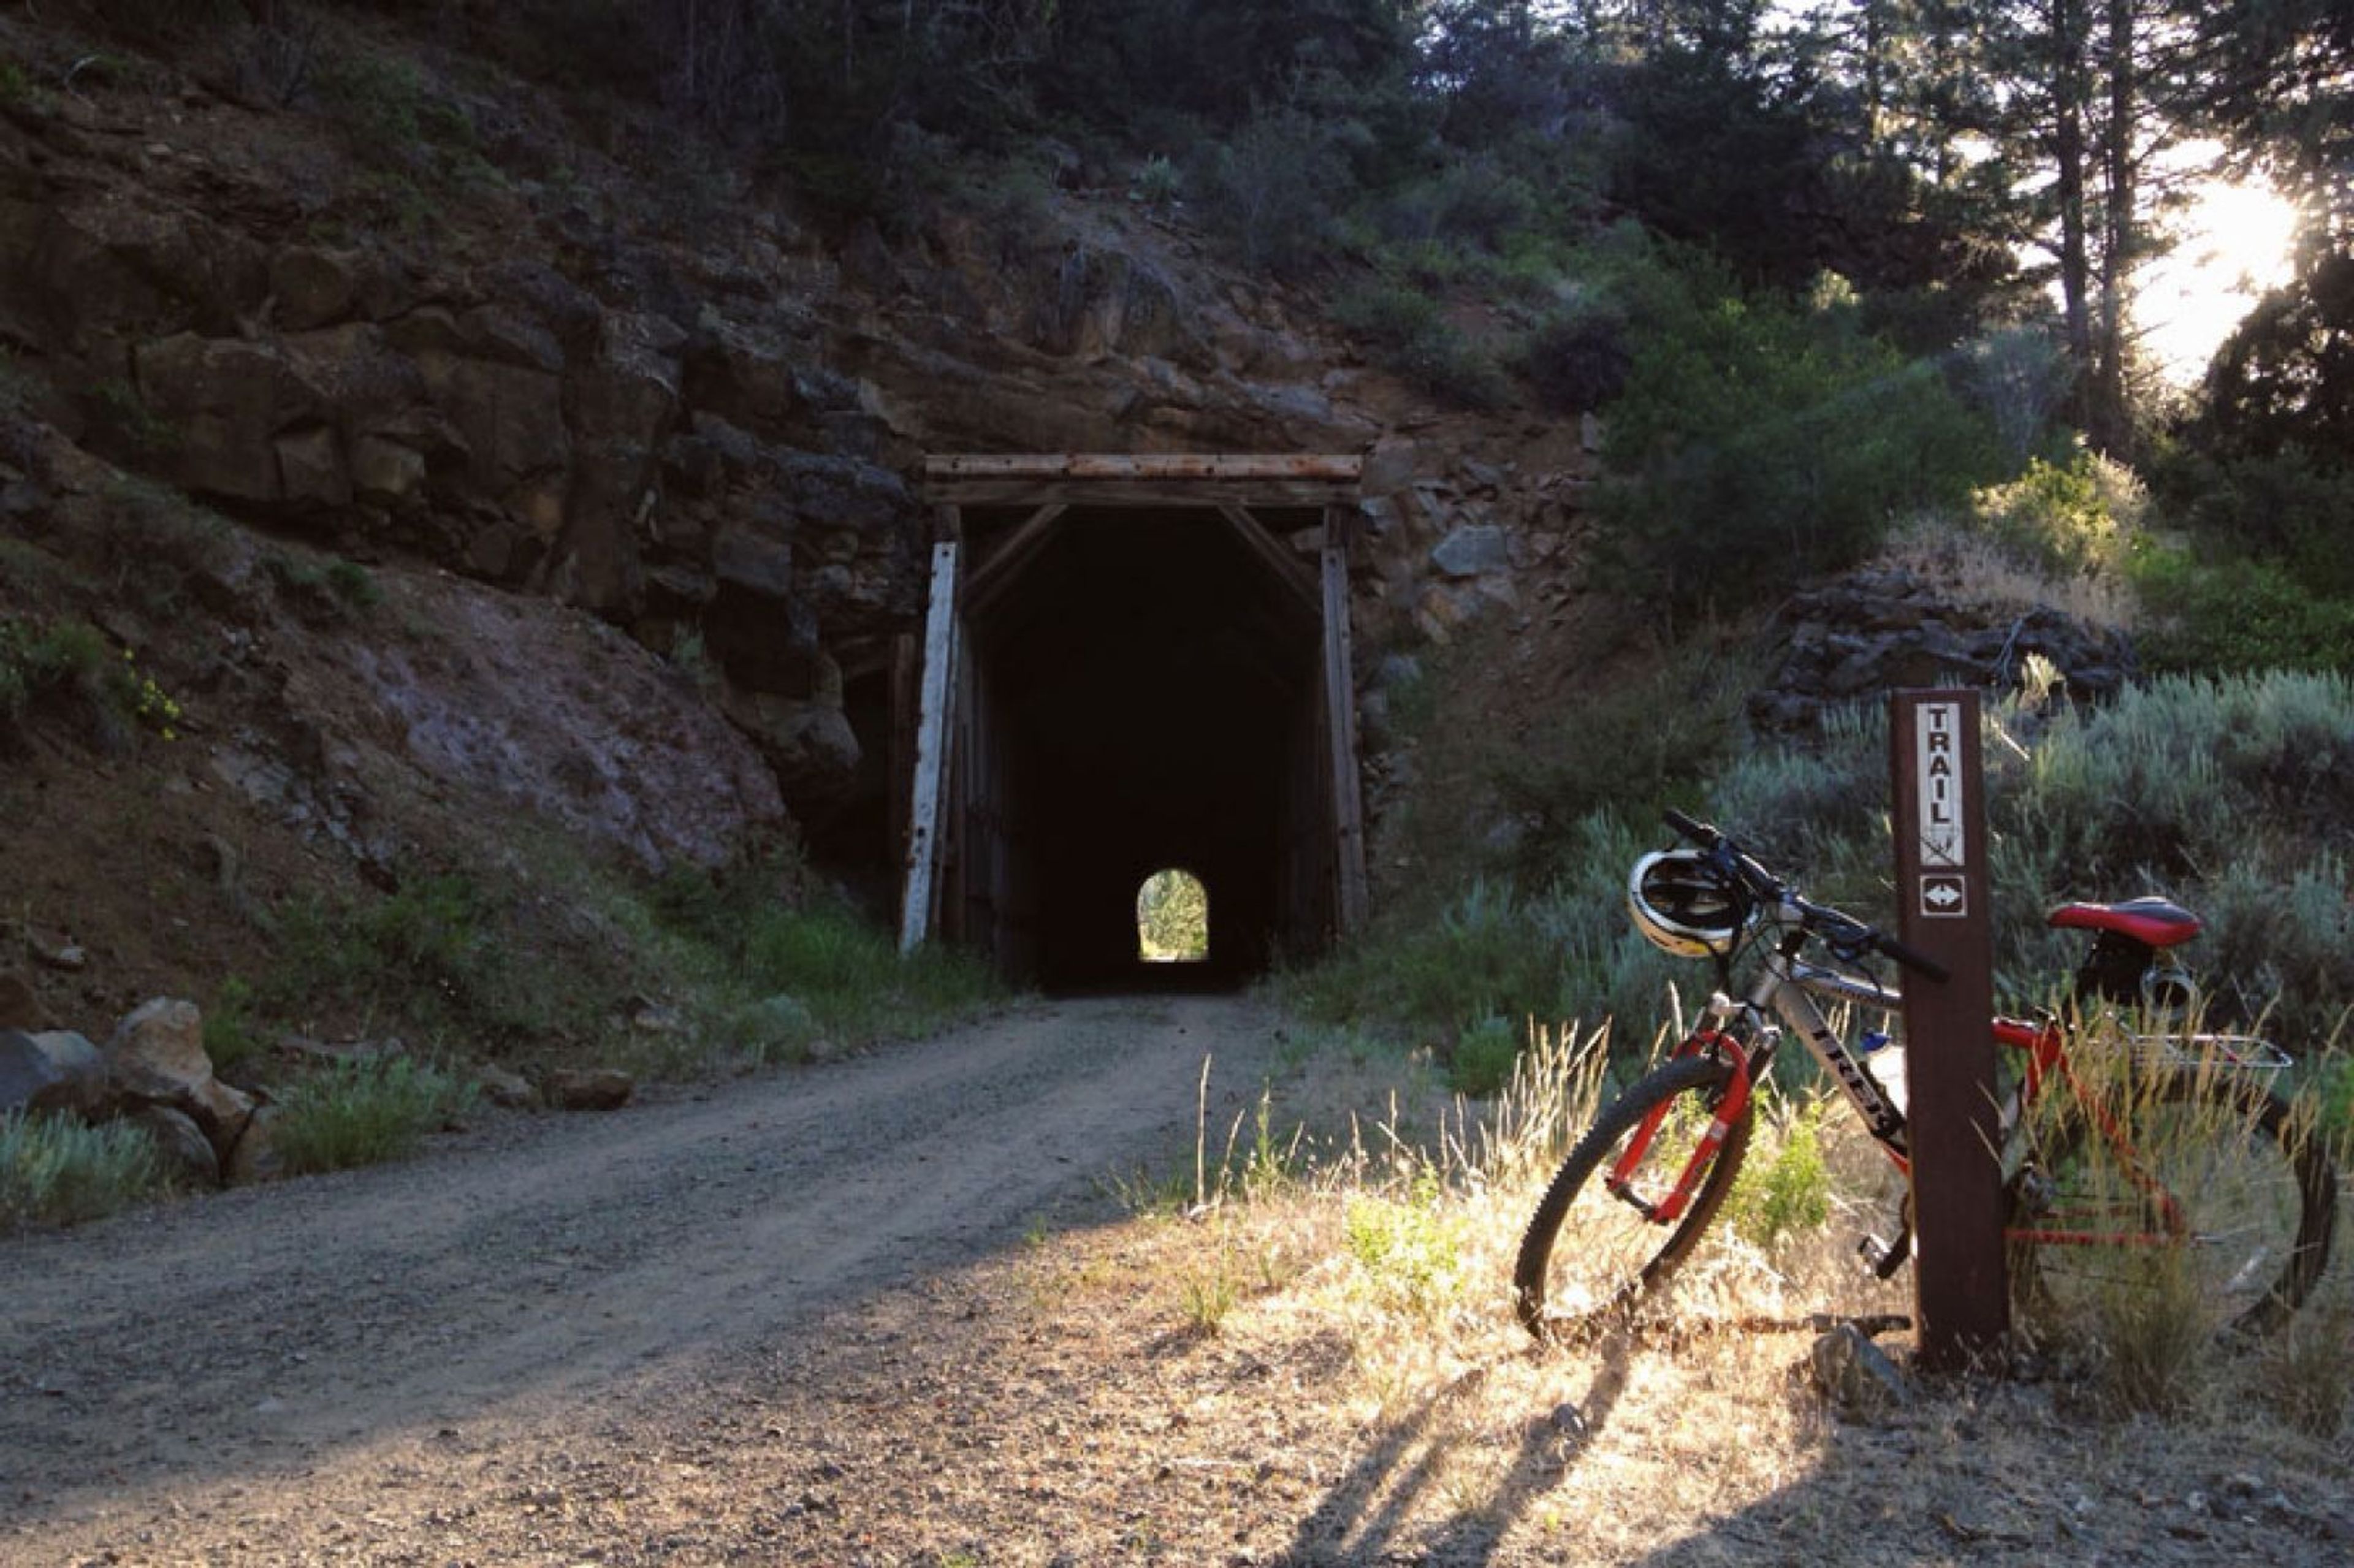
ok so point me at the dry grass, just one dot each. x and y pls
(1980, 574)
(1317, 1363)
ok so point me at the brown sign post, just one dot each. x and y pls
(1959, 1274)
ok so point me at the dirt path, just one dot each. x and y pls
(326, 1369)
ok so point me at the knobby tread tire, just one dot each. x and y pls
(1687, 1074)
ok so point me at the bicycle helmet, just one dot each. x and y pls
(1684, 905)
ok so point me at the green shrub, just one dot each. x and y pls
(396, 119)
(1757, 441)
(1410, 336)
(364, 1113)
(2064, 520)
(68, 661)
(57, 1172)
(2290, 506)
(2234, 795)
(1481, 1063)
(1272, 188)
(432, 955)
(2239, 615)
(1577, 360)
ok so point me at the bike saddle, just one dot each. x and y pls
(2155, 921)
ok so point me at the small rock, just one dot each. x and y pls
(1857, 1375)
(68, 957)
(505, 1086)
(256, 1156)
(591, 1090)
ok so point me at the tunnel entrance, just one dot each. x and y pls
(1130, 664)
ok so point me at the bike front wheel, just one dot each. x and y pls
(2193, 1198)
(1597, 1250)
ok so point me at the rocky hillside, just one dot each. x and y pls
(406, 467)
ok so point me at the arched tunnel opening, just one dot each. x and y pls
(1139, 683)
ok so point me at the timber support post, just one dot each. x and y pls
(1352, 898)
(922, 881)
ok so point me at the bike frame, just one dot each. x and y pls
(1788, 989)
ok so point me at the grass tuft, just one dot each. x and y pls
(365, 1113)
(57, 1172)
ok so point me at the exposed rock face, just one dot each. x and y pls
(1883, 629)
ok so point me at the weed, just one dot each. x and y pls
(1142, 1193)
(1157, 183)
(57, 1172)
(344, 585)
(1408, 1249)
(364, 1113)
(1788, 1192)
(232, 1036)
(1209, 1293)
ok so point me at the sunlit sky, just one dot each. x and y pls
(2233, 243)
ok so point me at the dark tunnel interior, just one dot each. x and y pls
(1148, 678)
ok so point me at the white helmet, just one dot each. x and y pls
(1684, 905)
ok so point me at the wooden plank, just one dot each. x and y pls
(1004, 491)
(1340, 725)
(931, 751)
(993, 575)
(1279, 562)
(1345, 467)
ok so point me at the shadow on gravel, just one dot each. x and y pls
(1364, 1517)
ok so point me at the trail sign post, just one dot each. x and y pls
(1959, 1273)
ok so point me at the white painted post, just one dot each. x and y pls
(931, 751)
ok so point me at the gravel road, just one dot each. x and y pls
(321, 1370)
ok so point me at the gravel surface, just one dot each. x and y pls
(353, 1368)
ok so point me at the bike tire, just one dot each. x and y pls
(1616, 1258)
(2257, 1190)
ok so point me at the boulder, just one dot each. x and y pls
(49, 1072)
(187, 1154)
(156, 1057)
(1472, 551)
(589, 1088)
(256, 1156)
(810, 744)
(504, 1088)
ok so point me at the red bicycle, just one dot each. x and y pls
(2167, 1154)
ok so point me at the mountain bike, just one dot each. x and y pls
(2129, 1159)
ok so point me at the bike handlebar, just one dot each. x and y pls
(1843, 930)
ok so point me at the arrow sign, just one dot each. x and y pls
(1944, 897)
